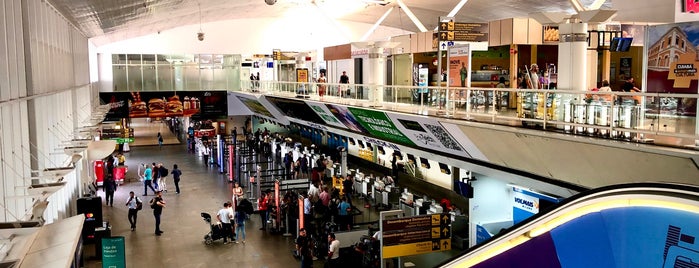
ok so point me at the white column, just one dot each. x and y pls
(376, 69)
(572, 60)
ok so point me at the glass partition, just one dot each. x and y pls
(164, 72)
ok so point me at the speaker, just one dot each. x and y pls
(92, 208)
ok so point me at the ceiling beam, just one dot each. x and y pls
(457, 8)
(376, 25)
(577, 5)
(596, 4)
(412, 17)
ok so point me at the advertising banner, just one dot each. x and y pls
(347, 119)
(296, 109)
(672, 59)
(155, 104)
(426, 132)
(459, 66)
(260, 107)
(325, 114)
(379, 125)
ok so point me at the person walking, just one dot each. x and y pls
(321, 85)
(224, 216)
(176, 173)
(240, 217)
(110, 187)
(157, 204)
(134, 204)
(148, 180)
(160, 141)
(206, 153)
(156, 175)
(333, 251)
(163, 176)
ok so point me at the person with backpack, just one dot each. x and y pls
(157, 204)
(135, 204)
(163, 175)
(156, 175)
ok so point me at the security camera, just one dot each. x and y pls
(270, 2)
(200, 36)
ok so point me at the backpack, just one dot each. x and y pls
(153, 203)
(139, 204)
(164, 172)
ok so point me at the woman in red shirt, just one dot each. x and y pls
(262, 207)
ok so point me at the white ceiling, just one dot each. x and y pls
(125, 19)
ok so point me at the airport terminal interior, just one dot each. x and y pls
(349, 133)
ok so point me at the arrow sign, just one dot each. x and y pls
(443, 35)
(444, 46)
(446, 219)
(443, 25)
(445, 244)
(445, 232)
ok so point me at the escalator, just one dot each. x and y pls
(629, 225)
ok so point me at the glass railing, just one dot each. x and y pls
(660, 118)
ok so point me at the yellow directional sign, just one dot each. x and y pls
(416, 248)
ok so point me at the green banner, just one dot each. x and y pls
(113, 253)
(380, 126)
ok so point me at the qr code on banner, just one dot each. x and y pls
(443, 137)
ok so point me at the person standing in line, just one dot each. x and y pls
(344, 80)
(110, 187)
(333, 251)
(176, 173)
(157, 204)
(240, 217)
(147, 180)
(163, 176)
(160, 140)
(262, 207)
(224, 216)
(133, 203)
(303, 249)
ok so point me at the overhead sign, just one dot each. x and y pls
(416, 235)
(460, 31)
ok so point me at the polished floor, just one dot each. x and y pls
(203, 189)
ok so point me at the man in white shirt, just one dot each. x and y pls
(224, 216)
(333, 251)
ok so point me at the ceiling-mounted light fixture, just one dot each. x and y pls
(200, 34)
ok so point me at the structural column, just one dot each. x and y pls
(572, 60)
(376, 66)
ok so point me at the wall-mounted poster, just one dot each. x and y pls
(672, 59)
(637, 32)
(427, 133)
